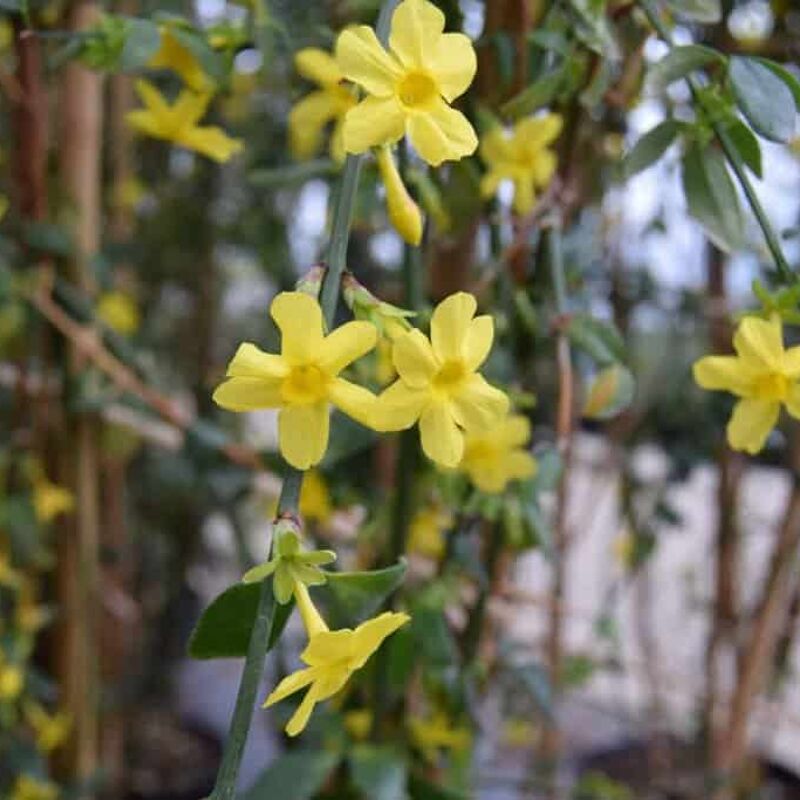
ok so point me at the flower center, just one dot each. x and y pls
(481, 452)
(450, 376)
(772, 386)
(417, 90)
(304, 385)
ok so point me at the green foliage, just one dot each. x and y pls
(681, 62)
(650, 147)
(705, 11)
(764, 99)
(598, 338)
(378, 772)
(298, 775)
(745, 143)
(610, 393)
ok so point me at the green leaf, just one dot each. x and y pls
(650, 147)
(745, 143)
(611, 392)
(680, 62)
(378, 772)
(352, 597)
(764, 99)
(48, 238)
(142, 40)
(600, 339)
(434, 641)
(539, 94)
(422, 789)
(711, 196)
(298, 775)
(705, 11)
(223, 630)
(789, 78)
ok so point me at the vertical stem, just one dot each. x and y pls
(553, 254)
(731, 154)
(227, 777)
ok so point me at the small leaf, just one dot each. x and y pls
(789, 78)
(705, 11)
(223, 630)
(298, 775)
(378, 772)
(746, 144)
(352, 597)
(764, 99)
(650, 147)
(539, 94)
(142, 40)
(680, 62)
(711, 196)
(611, 392)
(600, 339)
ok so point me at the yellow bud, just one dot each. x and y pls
(404, 213)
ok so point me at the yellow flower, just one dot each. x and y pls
(29, 614)
(128, 193)
(173, 55)
(521, 156)
(404, 213)
(329, 103)
(51, 730)
(12, 680)
(409, 88)
(427, 532)
(496, 456)
(332, 657)
(118, 310)
(303, 380)
(439, 384)
(434, 733)
(50, 500)
(28, 788)
(358, 723)
(178, 122)
(762, 374)
(315, 499)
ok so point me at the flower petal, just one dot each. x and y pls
(543, 167)
(303, 434)
(791, 362)
(307, 121)
(413, 359)
(417, 26)
(374, 121)
(356, 401)
(252, 362)
(345, 344)
(524, 195)
(521, 465)
(760, 342)
(248, 394)
(210, 141)
(398, 407)
(726, 373)
(153, 99)
(538, 132)
(515, 431)
(289, 685)
(363, 60)
(495, 146)
(479, 405)
(441, 134)
(191, 106)
(751, 423)
(793, 401)
(299, 319)
(317, 66)
(450, 324)
(478, 341)
(328, 647)
(368, 636)
(442, 441)
(299, 719)
(453, 64)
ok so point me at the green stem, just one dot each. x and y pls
(555, 260)
(731, 154)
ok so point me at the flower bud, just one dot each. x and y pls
(404, 213)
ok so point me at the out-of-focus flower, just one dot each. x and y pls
(315, 499)
(51, 730)
(8, 575)
(12, 679)
(173, 55)
(30, 788)
(521, 155)
(410, 87)
(404, 213)
(50, 500)
(495, 457)
(30, 615)
(119, 311)
(178, 122)
(303, 380)
(332, 657)
(439, 384)
(762, 374)
(434, 733)
(427, 531)
(358, 723)
(129, 193)
(329, 103)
